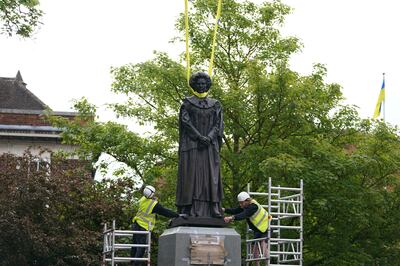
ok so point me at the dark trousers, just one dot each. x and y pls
(258, 234)
(137, 252)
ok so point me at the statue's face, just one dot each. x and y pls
(201, 85)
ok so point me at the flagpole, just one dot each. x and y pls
(384, 100)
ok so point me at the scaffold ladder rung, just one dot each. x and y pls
(112, 250)
(126, 259)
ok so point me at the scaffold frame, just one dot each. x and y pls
(284, 204)
(110, 245)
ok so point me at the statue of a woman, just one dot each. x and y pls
(199, 188)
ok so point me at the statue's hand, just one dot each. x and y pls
(206, 141)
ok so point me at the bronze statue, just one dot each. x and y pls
(199, 188)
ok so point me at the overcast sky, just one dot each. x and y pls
(80, 40)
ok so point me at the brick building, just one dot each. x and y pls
(23, 124)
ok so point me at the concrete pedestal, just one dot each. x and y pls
(184, 245)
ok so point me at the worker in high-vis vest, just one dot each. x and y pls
(257, 217)
(145, 219)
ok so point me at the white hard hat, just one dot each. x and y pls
(242, 196)
(149, 191)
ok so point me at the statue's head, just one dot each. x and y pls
(200, 83)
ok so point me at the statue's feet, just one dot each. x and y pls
(183, 215)
(217, 215)
(216, 211)
(184, 210)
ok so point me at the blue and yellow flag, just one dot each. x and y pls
(381, 99)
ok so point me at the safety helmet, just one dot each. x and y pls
(242, 196)
(149, 191)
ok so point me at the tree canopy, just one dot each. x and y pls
(20, 17)
(51, 214)
(278, 123)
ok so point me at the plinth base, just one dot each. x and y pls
(198, 222)
(184, 245)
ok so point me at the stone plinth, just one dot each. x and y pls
(198, 222)
(185, 245)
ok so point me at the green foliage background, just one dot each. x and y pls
(19, 17)
(278, 124)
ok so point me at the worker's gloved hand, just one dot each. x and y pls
(228, 219)
(183, 215)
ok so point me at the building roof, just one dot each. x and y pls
(16, 131)
(15, 95)
(23, 115)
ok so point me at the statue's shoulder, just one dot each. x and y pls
(187, 101)
(201, 102)
(213, 102)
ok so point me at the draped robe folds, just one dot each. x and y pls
(199, 187)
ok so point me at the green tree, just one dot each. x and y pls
(53, 214)
(278, 123)
(20, 17)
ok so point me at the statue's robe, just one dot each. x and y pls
(199, 187)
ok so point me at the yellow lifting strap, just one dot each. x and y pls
(187, 40)
(217, 17)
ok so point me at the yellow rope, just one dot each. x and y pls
(217, 17)
(187, 41)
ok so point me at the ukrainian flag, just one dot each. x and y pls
(381, 99)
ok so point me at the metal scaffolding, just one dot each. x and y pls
(111, 247)
(284, 245)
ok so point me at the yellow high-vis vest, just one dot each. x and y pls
(260, 218)
(144, 216)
